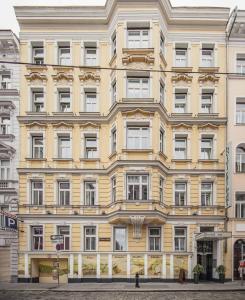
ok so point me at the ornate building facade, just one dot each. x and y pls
(9, 143)
(123, 141)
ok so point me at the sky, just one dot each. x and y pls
(8, 20)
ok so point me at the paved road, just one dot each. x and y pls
(58, 295)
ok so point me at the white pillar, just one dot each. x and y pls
(146, 265)
(79, 265)
(71, 265)
(189, 267)
(27, 275)
(171, 266)
(98, 266)
(110, 266)
(164, 271)
(128, 265)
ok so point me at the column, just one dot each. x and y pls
(27, 275)
(171, 266)
(145, 265)
(98, 266)
(128, 265)
(71, 265)
(110, 266)
(189, 267)
(164, 270)
(79, 265)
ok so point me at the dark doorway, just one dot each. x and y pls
(205, 258)
(239, 254)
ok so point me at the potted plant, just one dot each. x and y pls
(221, 271)
(198, 269)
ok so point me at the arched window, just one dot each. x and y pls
(240, 158)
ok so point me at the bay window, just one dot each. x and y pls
(37, 100)
(181, 55)
(91, 150)
(64, 100)
(207, 55)
(137, 187)
(37, 53)
(161, 182)
(113, 140)
(90, 53)
(5, 79)
(207, 102)
(120, 243)
(240, 158)
(240, 111)
(138, 137)
(240, 63)
(113, 189)
(161, 138)
(91, 101)
(5, 125)
(180, 104)
(64, 53)
(138, 87)
(4, 169)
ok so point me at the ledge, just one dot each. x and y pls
(181, 160)
(211, 115)
(181, 114)
(138, 150)
(68, 113)
(89, 159)
(33, 113)
(7, 137)
(9, 92)
(145, 55)
(208, 160)
(95, 113)
(144, 100)
(32, 67)
(208, 69)
(36, 159)
(62, 159)
(182, 69)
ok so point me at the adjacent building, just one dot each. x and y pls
(123, 159)
(9, 145)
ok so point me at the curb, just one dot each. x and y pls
(124, 290)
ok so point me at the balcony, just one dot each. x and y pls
(8, 185)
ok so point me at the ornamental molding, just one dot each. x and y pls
(138, 112)
(6, 151)
(37, 124)
(62, 76)
(89, 75)
(138, 55)
(182, 77)
(208, 125)
(90, 124)
(137, 222)
(62, 124)
(182, 125)
(35, 76)
(208, 77)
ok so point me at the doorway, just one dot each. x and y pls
(239, 254)
(205, 258)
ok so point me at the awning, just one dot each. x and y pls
(213, 236)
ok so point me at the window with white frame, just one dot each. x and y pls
(5, 79)
(240, 63)
(180, 193)
(91, 148)
(64, 53)
(64, 100)
(161, 140)
(64, 192)
(180, 102)
(4, 169)
(5, 125)
(154, 238)
(120, 243)
(206, 193)
(113, 140)
(37, 192)
(37, 100)
(137, 187)
(180, 238)
(113, 189)
(181, 53)
(90, 53)
(91, 101)
(207, 55)
(240, 205)
(114, 91)
(37, 238)
(206, 147)
(65, 231)
(240, 111)
(89, 238)
(37, 53)
(37, 146)
(90, 193)
(207, 102)
(161, 183)
(138, 137)
(162, 43)
(180, 147)
(138, 87)
(114, 44)
(240, 158)
(162, 92)
(64, 146)
(138, 38)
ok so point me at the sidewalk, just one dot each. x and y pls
(124, 287)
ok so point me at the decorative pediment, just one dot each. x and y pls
(36, 124)
(62, 124)
(138, 55)
(89, 75)
(181, 125)
(208, 125)
(182, 77)
(90, 124)
(138, 113)
(62, 76)
(36, 76)
(6, 151)
(208, 77)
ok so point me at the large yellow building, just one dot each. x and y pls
(121, 157)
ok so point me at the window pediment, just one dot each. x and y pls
(208, 77)
(62, 124)
(207, 126)
(36, 76)
(182, 77)
(36, 125)
(138, 55)
(89, 76)
(138, 113)
(62, 76)
(90, 125)
(181, 125)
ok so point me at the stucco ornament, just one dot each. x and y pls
(182, 77)
(208, 77)
(89, 75)
(137, 222)
(36, 76)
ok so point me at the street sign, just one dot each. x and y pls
(57, 238)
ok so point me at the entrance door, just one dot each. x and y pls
(205, 258)
(239, 254)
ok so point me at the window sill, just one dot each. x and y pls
(96, 113)
(34, 66)
(175, 114)
(61, 113)
(210, 115)
(181, 160)
(7, 136)
(208, 160)
(89, 159)
(138, 150)
(128, 99)
(34, 113)
(35, 159)
(62, 159)
(208, 69)
(63, 67)
(182, 69)
(240, 124)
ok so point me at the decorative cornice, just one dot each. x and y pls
(182, 77)
(208, 77)
(89, 75)
(138, 55)
(36, 76)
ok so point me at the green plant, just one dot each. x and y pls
(198, 269)
(220, 269)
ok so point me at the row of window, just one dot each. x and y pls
(137, 187)
(119, 238)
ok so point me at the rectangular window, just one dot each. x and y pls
(38, 55)
(180, 148)
(37, 100)
(4, 169)
(113, 189)
(64, 146)
(138, 87)
(90, 56)
(64, 101)
(90, 102)
(240, 159)
(180, 56)
(138, 38)
(240, 63)
(5, 81)
(64, 193)
(37, 238)
(154, 239)
(206, 193)
(114, 44)
(64, 55)
(5, 125)
(138, 137)
(207, 103)
(90, 193)
(37, 146)
(113, 140)
(207, 56)
(180, 193)
(161, 182)
(180, 238)
(65, 231)
(161, 139)
(37, 192)
(240, 205)
(89, 238)
(162, 44)
(180, 104)
(91, 150)
(114, 92)
(206, 148)
(162, 92)
(137, 187)
(240, 110)
(119, 239)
